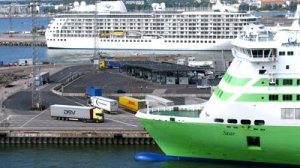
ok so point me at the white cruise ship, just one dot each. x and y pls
(113, 28)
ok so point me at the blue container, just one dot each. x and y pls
(1, 63)
(92, 91)
(112, 64)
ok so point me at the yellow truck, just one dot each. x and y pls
(131, 103)
(102, 64)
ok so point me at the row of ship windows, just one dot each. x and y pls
(285, 97)
(56, 39)
(162, 24)
(177, 41)
(125, 40)
(159, 18)
(189, 41)
(181, 31)
(243, 121)
(288, 53)
(166, 36)
(287, 82)
(262, 53)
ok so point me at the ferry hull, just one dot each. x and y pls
(277, 144)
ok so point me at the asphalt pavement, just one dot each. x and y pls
(17, 114)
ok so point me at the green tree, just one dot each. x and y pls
(244, 7)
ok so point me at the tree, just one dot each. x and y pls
(244, 7)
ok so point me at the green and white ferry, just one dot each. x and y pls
(253, 114)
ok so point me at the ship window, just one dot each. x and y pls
(281, 53)
(246, 122)
(219, 120)
(273, 97)
(289, 53)
(232, 121)
(287, 82)
(297, 113)
(253, 141)
(298, 81)
(287, 97)
(257, 53)
(287, 113)
(266, 53)
(287, 67)
(259, 122)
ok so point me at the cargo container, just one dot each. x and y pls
(131, 103)
(1, 63)
(108, 105)
(112, 64)
(93, 91)
(42, 79)
(156, 101)
(82, 113)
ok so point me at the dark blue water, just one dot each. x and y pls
(22, 24)
(90, 156)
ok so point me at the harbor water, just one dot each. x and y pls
(22, 24)
(79, 156)
(11, 54)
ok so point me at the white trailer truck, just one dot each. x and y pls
(108, 105)
(82, 113)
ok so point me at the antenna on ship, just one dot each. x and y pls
(36, 101)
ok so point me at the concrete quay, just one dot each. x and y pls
(21, 40)
(76, 137)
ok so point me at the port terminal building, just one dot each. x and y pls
(162, 72)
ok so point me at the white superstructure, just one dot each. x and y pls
(113, 28)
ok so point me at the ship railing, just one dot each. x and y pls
(182, 110)
(291, 44)
(257, 39)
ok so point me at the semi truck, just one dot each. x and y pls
(81, 113)
(131, 103)
(108, 105)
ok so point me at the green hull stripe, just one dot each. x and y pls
(272, 144)
(234, 81)
(264, 97)
(222, 94)
(263, 82)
